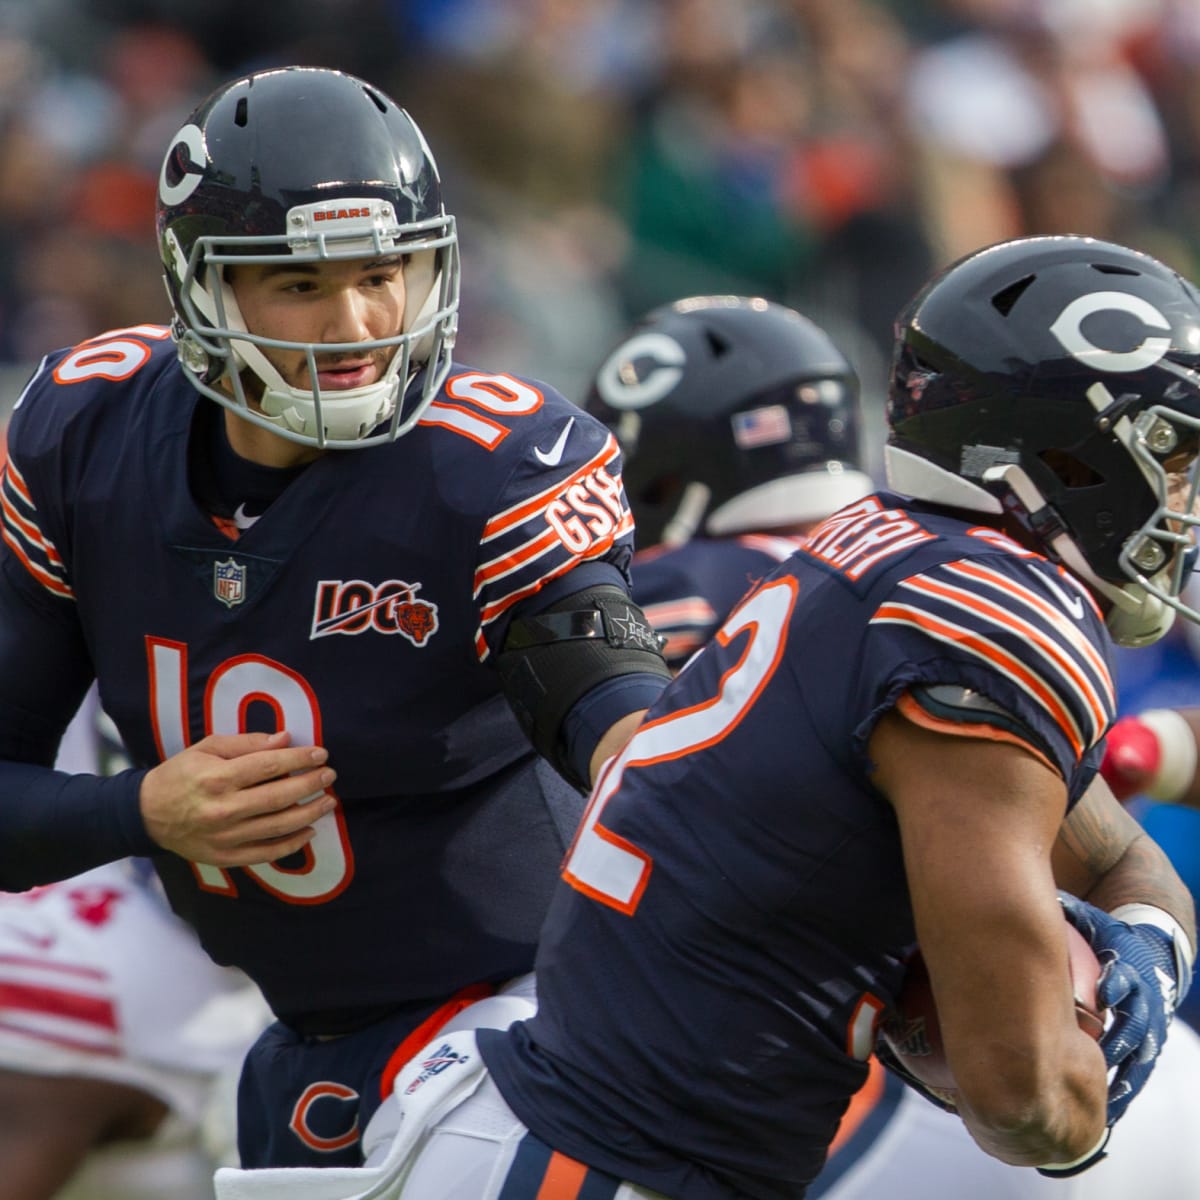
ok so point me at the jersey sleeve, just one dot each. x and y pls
(566, 518)
(679, 610)
(44, 664)
(1015, 632)
(51, 824)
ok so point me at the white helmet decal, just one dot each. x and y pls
(621, 394)
(1068, 329)
(192, 140)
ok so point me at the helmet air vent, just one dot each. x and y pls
(719, 345)
(1003, 301)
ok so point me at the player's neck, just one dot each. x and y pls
(261, 446)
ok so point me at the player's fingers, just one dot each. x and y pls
(234, 745)
(255, 853)
(276, 826)
(262, 832)
(290, 791)
(1117, 981)
(263, 766)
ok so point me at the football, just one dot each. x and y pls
(914, 1036)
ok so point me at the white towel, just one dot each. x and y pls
(433, 1082)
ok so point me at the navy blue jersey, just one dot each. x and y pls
(360, 612)
(734, 914)
(687, 591)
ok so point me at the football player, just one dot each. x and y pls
(359, 613)
(741, 412)
(892, 741)
(738, 422)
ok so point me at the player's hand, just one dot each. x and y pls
(1140, 983)
(1132, 757)
(237, 800)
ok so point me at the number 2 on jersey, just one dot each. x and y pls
(609, 868)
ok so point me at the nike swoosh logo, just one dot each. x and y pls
(241, 520)
(1073, 604)
(553, 456)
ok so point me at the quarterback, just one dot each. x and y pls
(359, 612)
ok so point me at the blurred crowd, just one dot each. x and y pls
(607, 155)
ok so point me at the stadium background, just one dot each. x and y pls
(604, 156)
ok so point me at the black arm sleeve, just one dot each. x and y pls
(553, 660)
(52, 824)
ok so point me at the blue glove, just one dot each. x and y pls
(1144, 977)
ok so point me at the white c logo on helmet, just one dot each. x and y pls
(667, 353)
(192, 140)
(1068, 330)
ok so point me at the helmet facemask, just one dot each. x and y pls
(216, 348)
(1156, 557)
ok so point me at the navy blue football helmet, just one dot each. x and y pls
(306, 165)
(1057, 380)
(734, 414)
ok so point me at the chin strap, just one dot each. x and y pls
(1135, 617)
(688, 516)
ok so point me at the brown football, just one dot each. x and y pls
(915, 1037)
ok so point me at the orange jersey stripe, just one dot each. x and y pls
(504, 521)
(1035, 636)
(694, 610)
(563, 1180)
(911, 709)
(959, 635)
(499, 567)
(493, 610)
(28, 530)
(50, 582)
(861, 1104)
(1079, 641)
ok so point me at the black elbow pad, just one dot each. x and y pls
(551, 660)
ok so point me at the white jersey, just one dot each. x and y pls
(98, 978)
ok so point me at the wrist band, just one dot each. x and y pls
(1151, 914)
(1069, 1168)
(1177, 754)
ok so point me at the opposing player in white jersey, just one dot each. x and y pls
(116, 1030)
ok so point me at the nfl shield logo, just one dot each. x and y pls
(229, 582)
